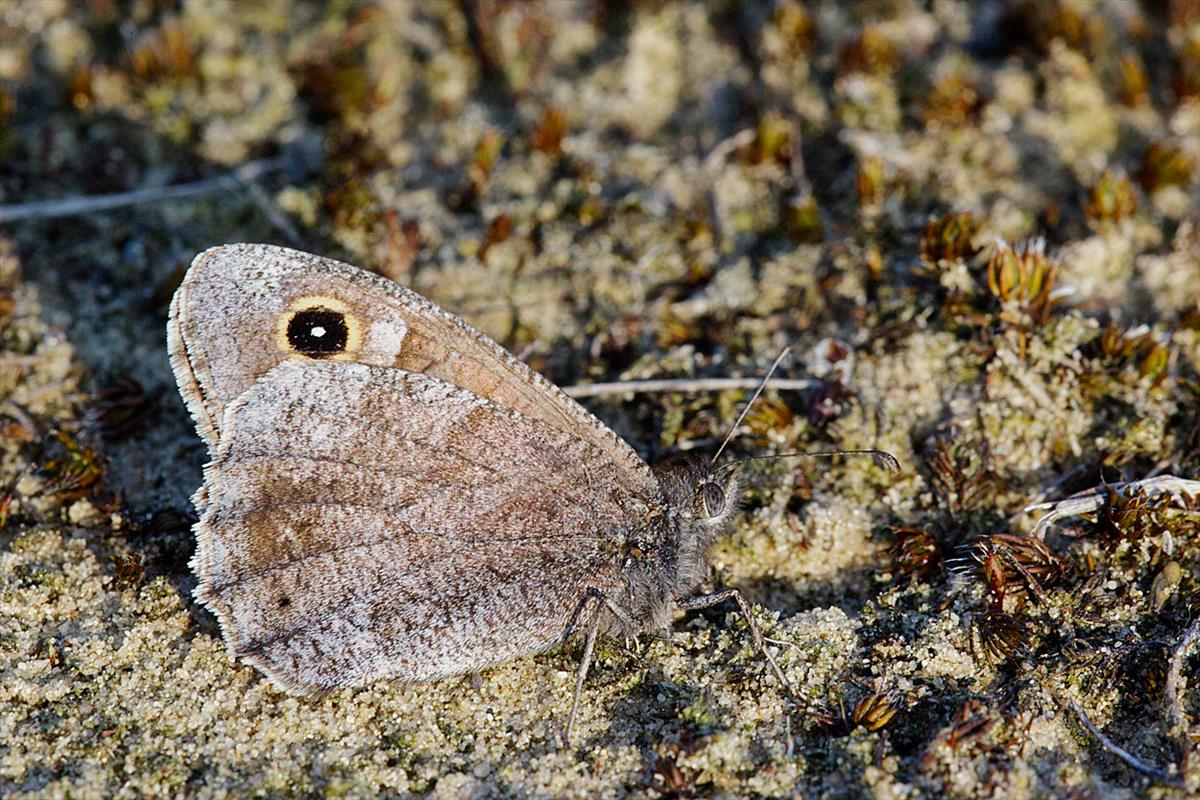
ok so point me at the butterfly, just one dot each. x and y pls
(392, 495)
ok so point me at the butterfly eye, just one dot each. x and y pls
(710, 500)
(318, 332)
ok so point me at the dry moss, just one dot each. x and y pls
(624, 192)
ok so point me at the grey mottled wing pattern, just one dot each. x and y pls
(222, 336)
(406, 546)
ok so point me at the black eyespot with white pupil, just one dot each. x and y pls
(710, 500)
(318, 332)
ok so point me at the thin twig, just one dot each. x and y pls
(9, 408)
(1094, 498)
(682, 385)
(1053, 488)
(480, 35)
(17, 360)
(71, 206)
(279, 220)
(714, 161)
(1160, 775)
(715, 158)
(801, 187)
(1175, 689)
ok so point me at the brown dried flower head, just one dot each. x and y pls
(1021, 280)
(166, 53)
(1011, 564)
(129, 569)
(76, 471)
(1134, 355)
(870, 51)
(120, 407)
(949, 238)
(1110, 199)
(1165, 165)
(953, 101)
(547, 138)
(916, 551)
(1131, 515)
(871, 182)
(960, 471)
(874, 711)
(997, 635)
(971, 724)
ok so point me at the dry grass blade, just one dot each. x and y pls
(1094, 498)
(1160, 775)
(682, 385)
(72, 206)
(1174, 691)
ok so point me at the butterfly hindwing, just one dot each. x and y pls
(334, 555)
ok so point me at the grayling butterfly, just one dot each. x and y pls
(391, 494)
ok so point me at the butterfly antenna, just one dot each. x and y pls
(881, 457)
(733, 428)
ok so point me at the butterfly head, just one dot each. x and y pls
(700, 500)
(702, 496)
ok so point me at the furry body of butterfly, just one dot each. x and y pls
(391, 494)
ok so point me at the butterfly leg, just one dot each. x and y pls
(588, 647)
(573, 623)
(706, 600)
(599, 601)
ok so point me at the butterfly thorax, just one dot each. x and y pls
(666, 555)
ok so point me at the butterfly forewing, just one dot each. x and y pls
(232, 321)
(334, 554)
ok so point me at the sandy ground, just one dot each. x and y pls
(641, 190)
